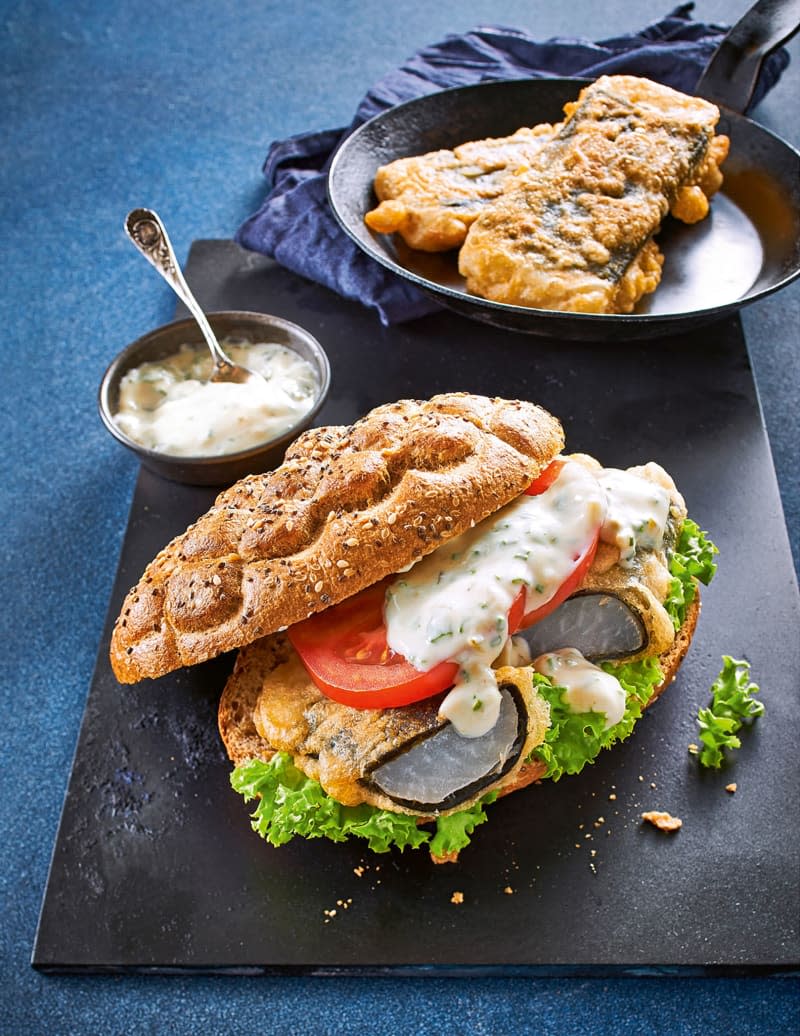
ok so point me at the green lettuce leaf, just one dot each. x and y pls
(289, 803)
(453, 832)
(692, 558)
(576, 738)
(732, 705)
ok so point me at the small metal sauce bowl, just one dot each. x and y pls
(166, 340)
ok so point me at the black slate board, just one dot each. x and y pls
(155, 867)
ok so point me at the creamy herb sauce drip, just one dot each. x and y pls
(454, 603)
(637, 513)
(588, 687)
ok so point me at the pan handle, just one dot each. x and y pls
(731, 74)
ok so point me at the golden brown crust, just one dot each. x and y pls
(596, 194)
(237, 705)
(349, 506)
(671, 659)
(431, 200)
(528, 773)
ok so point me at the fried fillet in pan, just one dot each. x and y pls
(576, 233)
(431, 200)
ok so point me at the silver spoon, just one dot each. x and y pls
(147, 232)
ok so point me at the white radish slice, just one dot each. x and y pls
(599, 625)
(444, 768)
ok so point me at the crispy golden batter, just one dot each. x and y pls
(563, 217)
(692, 200)
(576, 233)
(643, 585)
(431, 200)
(663, 821)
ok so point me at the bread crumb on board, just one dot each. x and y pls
(344, 904)
(457, 897)
(731, 787)
(663, 821)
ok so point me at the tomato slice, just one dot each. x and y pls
(345, 652)
(547, 477)
(519, 619)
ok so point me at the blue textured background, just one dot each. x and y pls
(172, 105)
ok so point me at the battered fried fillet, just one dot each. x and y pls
(669, 662)
(644, 584)
(691, 203)
(270, 704)
(577, 233)
(349, 506)
(432, 200)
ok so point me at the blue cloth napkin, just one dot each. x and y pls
(295, 224)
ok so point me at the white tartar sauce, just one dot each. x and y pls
(588, 688)
(515, 652)
(454, 603)
(637, 513)
(170, 406)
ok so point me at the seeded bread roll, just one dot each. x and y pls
(349, 506)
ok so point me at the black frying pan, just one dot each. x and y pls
(747, 248)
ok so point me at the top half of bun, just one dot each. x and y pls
(349, 506)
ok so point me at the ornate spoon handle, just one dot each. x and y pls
(147, 232)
